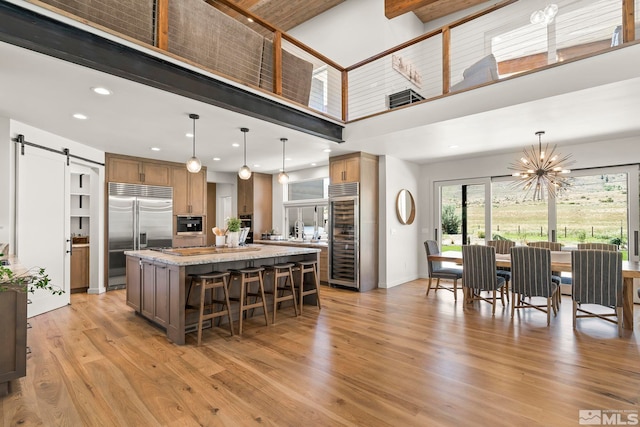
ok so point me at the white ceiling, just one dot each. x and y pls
(600, 100)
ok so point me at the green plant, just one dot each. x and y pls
(450, 221)
(233, 224)
(28, 281)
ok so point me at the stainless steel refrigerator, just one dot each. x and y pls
(140, 216)
(344, 253)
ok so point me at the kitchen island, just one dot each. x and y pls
(157, 280)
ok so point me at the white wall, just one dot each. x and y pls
(6, 183)
(398, 261)
(363, 24)
(587, 155)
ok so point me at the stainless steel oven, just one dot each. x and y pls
(189, 225)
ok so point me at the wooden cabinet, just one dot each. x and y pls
(189, 191)
(362, 168)
(133, 170)
(344, 169)
(13, 336)
(324, 265)
(134, 282)
(189, 241)
(255, 197)
(80, 268)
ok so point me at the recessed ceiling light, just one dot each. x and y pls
(288, 159)
(256, 166)
(80, 116)
(235, 144)
(188, 135)
(217, 159)
(101, 90)
(453, 146)
(313, 164)
(154, 149)
(327, 150)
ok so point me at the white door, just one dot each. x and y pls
(42, 223)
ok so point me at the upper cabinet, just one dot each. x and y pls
(189, 191)
(344, 169)
(133, 170)
(255, 198)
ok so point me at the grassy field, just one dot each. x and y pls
(592, 209)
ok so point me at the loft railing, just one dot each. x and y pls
(500, 42)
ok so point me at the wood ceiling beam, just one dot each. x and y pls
(394, 8)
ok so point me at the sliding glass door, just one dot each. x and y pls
(462, 213)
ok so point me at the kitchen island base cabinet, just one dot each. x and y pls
(157, 282)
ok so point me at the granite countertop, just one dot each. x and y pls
(254, 251)
(320, 244)
(14, 264)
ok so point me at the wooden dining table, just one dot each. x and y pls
(561, 261)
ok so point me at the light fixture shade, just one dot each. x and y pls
(194, 165)
(283, 178)
(244, 172)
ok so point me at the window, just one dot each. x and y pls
(306, 211)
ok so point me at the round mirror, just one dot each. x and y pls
(405, 207)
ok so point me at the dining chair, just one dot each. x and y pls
(597, 279)
(437, 271)
(479, 273)
(599, 246)
(552, 246)
(503, 247)
(531, 277)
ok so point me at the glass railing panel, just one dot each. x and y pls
(404, 77)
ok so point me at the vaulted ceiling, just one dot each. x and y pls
(287, 14)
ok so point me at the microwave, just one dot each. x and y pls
(189, 224)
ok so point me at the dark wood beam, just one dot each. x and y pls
(39, 33)
(394, 8)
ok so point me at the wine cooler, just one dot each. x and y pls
(344, 235)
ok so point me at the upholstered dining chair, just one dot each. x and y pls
(531, 277)
(597, 279)
(503, 247)
(599, 246)
(552, 246)
(479, 273)
(437, 271)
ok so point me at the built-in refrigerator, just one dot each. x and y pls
(344, 254)
(140, 216)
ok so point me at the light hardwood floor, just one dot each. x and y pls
(381, 358)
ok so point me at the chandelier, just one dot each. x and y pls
(541, 171)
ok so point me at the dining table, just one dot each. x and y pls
(561, 261)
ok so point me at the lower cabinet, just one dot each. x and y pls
(149, 288)
(324, 266)
(79, 268)
(13, 336)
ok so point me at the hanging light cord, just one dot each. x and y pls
(194, 135)
(284, 140)
(245, 146)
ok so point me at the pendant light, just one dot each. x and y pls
(193, 164)
(244, 172)
(283, 178)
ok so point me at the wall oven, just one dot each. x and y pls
(186, 225)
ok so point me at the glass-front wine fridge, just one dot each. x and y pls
(344, 235)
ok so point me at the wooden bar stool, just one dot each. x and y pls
(280, 271)
(309, 267)
(247, 276)
(211, 281)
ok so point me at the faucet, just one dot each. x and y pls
(299, 229)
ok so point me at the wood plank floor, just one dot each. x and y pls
(382, 358)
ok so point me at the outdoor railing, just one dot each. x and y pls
(507, 39)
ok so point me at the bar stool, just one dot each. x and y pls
(280, 271)
(247, 276)
(212, 281)
(308, 267)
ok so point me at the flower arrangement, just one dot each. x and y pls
(28, 281)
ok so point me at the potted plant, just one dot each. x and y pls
(233, 231)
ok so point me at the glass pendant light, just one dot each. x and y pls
(283, 178)
(244, 172)
(193, 164)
